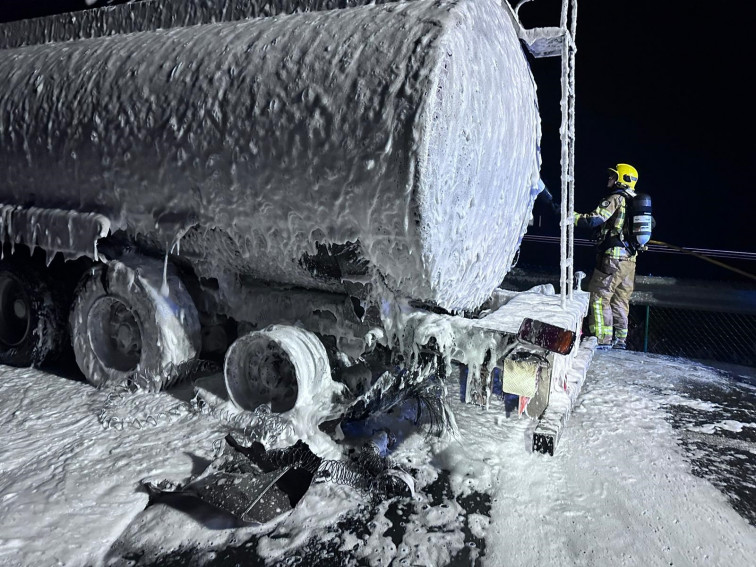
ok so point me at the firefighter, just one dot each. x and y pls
(613, 277)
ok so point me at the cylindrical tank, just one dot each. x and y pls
(409, 128)
(154, 14)
(642, 219)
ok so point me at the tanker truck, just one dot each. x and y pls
(323, 197)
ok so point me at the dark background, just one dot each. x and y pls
(663, 86)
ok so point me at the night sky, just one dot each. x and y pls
(660, 85)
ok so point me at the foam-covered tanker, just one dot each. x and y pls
(206, 171)
(405, 128)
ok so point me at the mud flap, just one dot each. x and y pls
(538, 403)
(253, 498)
(236, 484)
(250, 497)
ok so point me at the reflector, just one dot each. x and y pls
(545, 335)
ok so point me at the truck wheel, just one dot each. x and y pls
(280, 367)
(32, 324)
(124, 328)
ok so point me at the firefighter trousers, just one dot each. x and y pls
(611, 285)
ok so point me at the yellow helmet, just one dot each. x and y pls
(626, 174)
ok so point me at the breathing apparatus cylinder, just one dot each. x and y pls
(642, 221)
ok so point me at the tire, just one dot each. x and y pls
(125, 330)
(32, 321)
(283, 367)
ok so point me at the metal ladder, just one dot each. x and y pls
(560, 42)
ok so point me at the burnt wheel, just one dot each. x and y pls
(32, 324)
(125, 327)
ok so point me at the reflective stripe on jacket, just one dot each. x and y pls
(610, 217)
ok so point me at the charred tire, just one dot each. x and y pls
(32, 320)
(124, 329)
(277, 366)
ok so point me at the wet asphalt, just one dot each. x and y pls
(726, 458)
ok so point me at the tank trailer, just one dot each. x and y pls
(321, 197)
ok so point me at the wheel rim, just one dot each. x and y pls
(15, 312)
(115, 334)
(261, 372)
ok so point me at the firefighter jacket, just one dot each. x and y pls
(609, 219)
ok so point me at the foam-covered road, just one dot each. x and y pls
(655, 466)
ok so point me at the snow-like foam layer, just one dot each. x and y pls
(151, 15)
(619, 486)
(410, 128)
